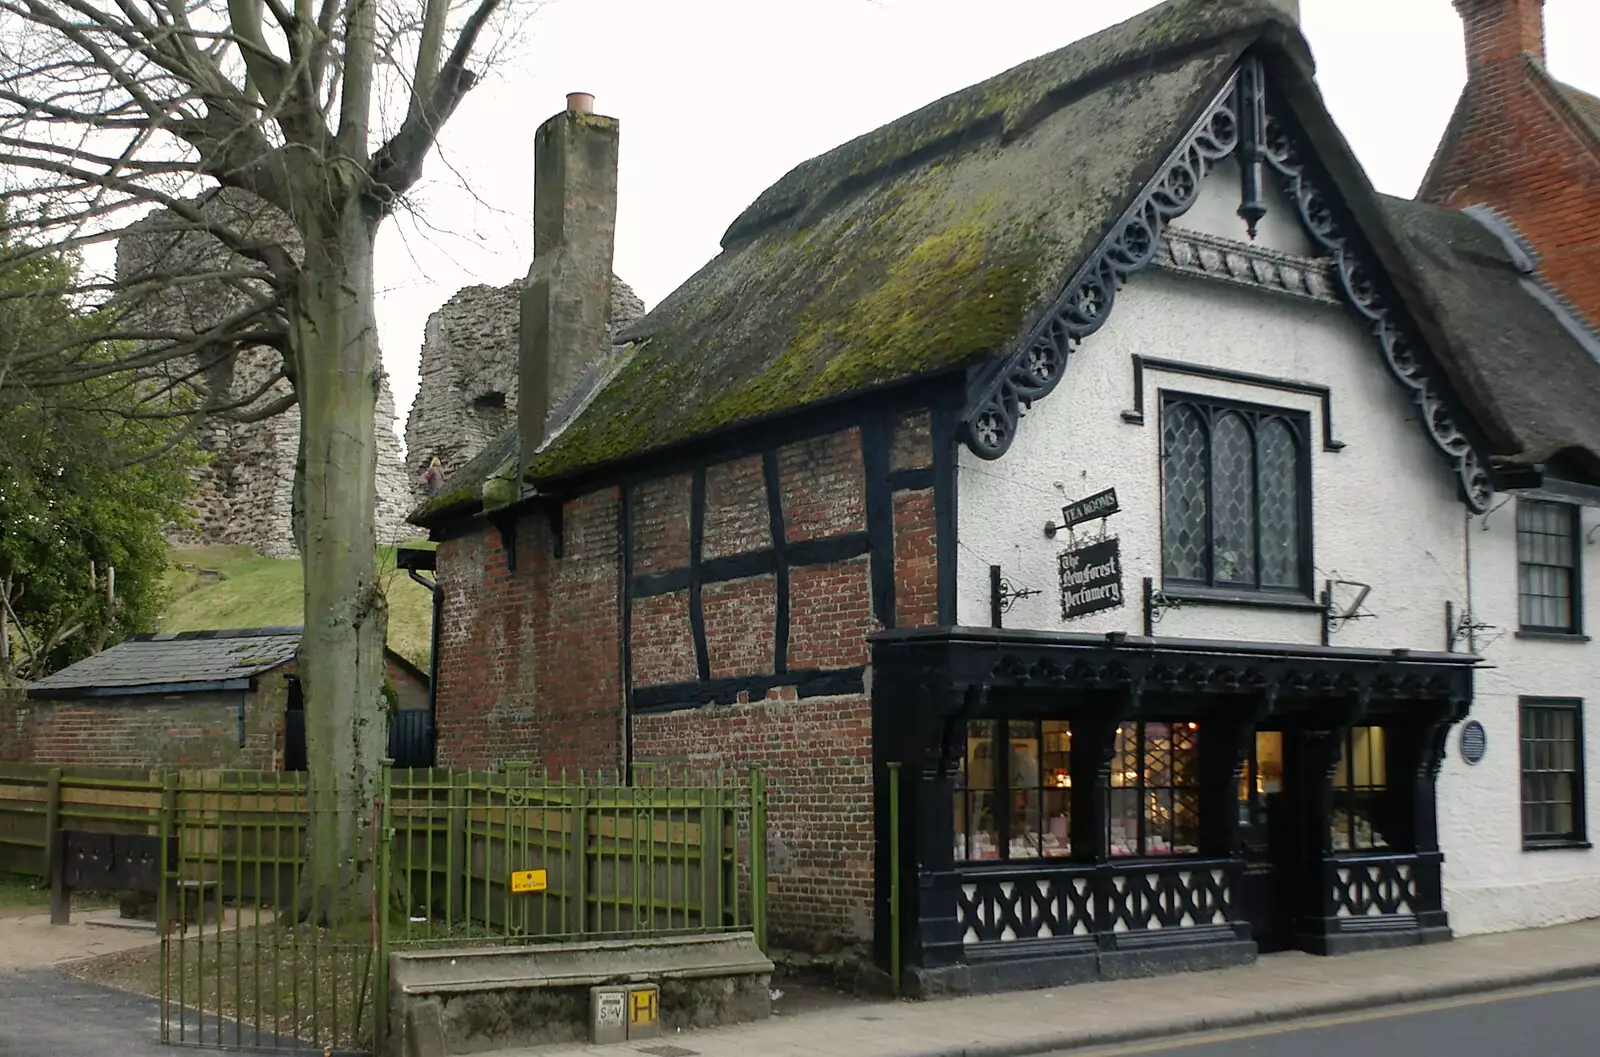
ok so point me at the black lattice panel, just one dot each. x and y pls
(1374, 889)
(1000, 911)
(1168, 898)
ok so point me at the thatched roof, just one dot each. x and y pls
(936, 242)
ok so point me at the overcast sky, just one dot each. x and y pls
(720, 98)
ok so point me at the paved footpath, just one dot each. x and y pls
(1278, 987)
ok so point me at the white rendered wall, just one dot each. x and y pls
(1491, 883)
(1385, 509)
(1386, 512)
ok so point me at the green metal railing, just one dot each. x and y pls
(515, 855)
(255, 955)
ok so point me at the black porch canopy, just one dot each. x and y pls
(1075, 806)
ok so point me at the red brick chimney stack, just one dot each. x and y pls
(1500, 30)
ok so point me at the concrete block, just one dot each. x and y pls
(644, 1012)
(608, 1015)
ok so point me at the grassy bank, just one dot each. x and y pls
(233, 587)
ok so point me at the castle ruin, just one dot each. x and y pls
(467, 389)
(243, 491)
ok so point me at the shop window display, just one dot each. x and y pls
(1154, 802)
(1260, 789)
(1360, 782)
(1013, 796)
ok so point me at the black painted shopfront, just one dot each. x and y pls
(1076, 807)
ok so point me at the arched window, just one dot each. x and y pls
(1235, 496)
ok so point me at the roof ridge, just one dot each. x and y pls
(269, 631)
(1010, 102)
(1526, 260)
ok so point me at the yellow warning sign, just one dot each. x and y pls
(528, 881)
(642, 1007)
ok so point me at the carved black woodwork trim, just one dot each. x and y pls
(823, 551)
(875, 461)
(1361, 280)
(780, 552)
(1221, 374)
(697, 535)
(1035, 366)
(810, 682)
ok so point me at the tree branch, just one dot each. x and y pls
(398, 164)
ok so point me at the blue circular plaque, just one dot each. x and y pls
(1474, 742)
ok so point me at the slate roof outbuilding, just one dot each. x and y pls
(189, 657)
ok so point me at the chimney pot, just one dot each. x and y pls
(580, 102)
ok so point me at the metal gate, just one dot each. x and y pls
(247, 960)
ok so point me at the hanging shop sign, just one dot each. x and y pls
(1091, 579)
(1099, 505)
(1474, 741)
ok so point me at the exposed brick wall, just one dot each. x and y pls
(824, 493)
(529, 658)
(738, 518)
(485, 674)
(19, 727)
(1520, 150)
(740, 618)
(830, 614)
(578, 643)
(171, 730)
(916, 560)
(412, 690)
(661, 525)
(911, 443)
(663, 645)
(817, 754)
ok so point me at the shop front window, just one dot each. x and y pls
(1260, 789)
(1154, 801)
(1013, 796)
(1360, 782)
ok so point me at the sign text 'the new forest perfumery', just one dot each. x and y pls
(1091, 579)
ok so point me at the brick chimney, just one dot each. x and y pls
(1498, 30)
(566, 297)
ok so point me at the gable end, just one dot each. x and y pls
(1242, 117)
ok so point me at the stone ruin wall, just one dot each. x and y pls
(467, 384)
(243, 493)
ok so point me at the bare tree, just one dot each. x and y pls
(203, 116)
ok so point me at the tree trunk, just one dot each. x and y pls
(341, 663)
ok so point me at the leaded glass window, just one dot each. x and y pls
(1235, 502)
(1153, 806)
(1013, 797)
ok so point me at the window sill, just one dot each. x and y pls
(1224, 597)
(1555, 845)
(1552, 636)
